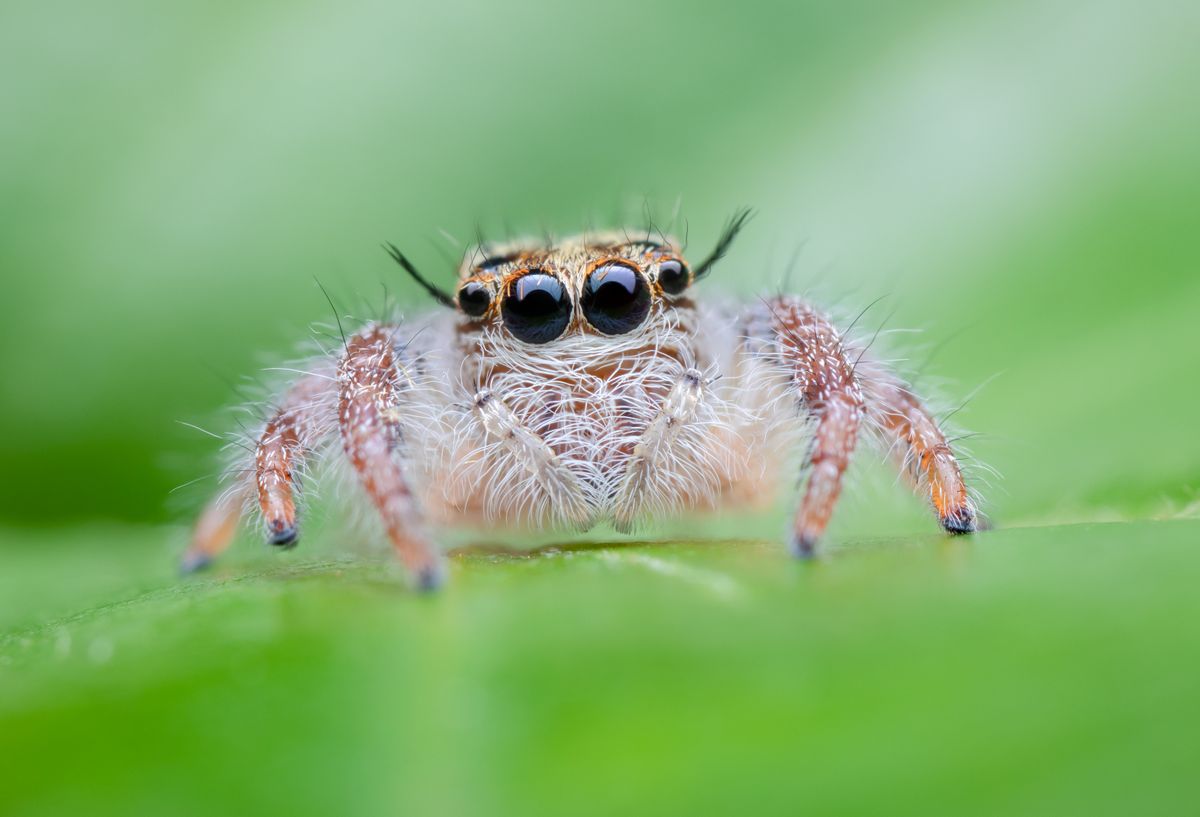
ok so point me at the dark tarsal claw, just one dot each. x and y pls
(962, 521)
(804, 547)
(282, 535)
(429, 579)
(193, 562)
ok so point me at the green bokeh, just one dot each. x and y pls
(1020, 180)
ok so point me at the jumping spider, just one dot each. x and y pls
(568, 383)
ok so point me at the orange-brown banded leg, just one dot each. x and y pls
(925, 454)
(369, 380)
(286, 439)
(811, 351)
(292, 429)
(836, 433)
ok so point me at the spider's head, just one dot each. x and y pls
(600, 284)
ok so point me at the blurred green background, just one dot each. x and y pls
(1020, 180)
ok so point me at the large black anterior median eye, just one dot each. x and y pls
(536, 308)
(615, 298)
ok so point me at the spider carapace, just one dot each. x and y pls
(580, 381)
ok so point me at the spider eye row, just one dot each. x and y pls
(536, 307)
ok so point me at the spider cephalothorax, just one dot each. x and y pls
(578, 381)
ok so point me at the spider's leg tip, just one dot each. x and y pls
(193, 562)
(804, 547)
(282, 535)
(429, 578)
(961, 521)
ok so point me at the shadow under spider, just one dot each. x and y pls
(554, 548)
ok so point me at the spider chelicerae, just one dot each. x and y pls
(568, 383)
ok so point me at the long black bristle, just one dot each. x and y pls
(439, 295)
(732, 228)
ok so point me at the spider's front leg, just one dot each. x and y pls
(369, 383)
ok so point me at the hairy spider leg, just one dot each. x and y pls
(293, 429)
(822, 372)
(923, 452)
(286, 440)
(369, 383)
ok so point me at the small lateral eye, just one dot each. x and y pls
(536, 308)
(673, 276)
(615, 298)
(474, 299)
